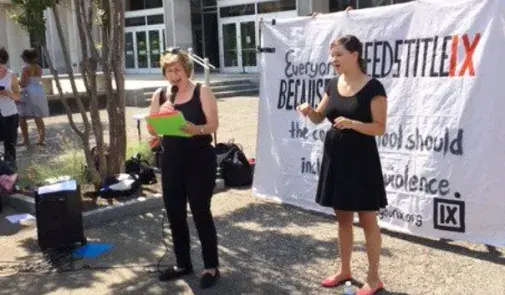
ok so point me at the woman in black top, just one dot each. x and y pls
(188, 166)
(351, 175)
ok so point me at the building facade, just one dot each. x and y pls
(12, 37)
(225, 31)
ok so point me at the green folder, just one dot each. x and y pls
(168, 124)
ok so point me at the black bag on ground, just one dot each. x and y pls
(233, 164)
(121, 185)
(136, 165)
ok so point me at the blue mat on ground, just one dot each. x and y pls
(92, 250)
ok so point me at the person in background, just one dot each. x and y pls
(189, 166)
(9, 118)
(33, 102)
(351, 175)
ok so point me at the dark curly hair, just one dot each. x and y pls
(4, 56)
(30, 56)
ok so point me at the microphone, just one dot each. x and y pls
(173, 91)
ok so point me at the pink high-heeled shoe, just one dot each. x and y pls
(330, 283)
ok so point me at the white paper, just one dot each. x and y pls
(70, 185)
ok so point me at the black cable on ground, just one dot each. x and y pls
(62, 260)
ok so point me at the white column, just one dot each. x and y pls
(69, 14)
(3, 31)
(17, 41)
(51, 36)
(178, 30)
(168, 13)
(182, 24)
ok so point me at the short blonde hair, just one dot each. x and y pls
(172, 56)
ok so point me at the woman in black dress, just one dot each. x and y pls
(351, 175)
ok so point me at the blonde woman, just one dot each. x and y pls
(188, 165)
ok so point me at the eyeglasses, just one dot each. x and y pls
(172, 50)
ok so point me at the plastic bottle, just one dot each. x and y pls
(348, 289)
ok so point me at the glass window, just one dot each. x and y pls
(143, 4)
(155, 19)
(129, 51)
(135, 21)
(211, 3)
(373, 3)
(230, 45)
(248, 41)
(342, 5)
(153, 3)
(237, 10)
(142, 50)
(275, 6)
(154, 48)
(134, 5)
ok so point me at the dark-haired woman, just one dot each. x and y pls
(351, 175)
(33, 102)
(9, 118)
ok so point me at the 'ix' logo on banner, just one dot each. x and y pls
(449, 215)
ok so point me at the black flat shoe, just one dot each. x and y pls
(173, 273)
(209, 280)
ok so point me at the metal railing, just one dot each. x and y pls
(204, 62)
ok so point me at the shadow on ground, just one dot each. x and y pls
(257, 254)
(492, 255)
(265, 248)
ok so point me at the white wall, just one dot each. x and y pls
(3, 29)
(71, 35)
(13, 38)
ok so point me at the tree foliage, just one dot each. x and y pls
(30, 16)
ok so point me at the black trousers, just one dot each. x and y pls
(188, 174)
(9, 135)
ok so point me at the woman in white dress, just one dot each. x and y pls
(33, 102)
(9, 119)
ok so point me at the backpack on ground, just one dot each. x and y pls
(234, 167)
(140, 167)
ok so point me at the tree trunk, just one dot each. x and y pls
(96, 179)
(89, 78)
(119, 78)
(112, 46)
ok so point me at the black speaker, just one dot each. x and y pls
(58, 210)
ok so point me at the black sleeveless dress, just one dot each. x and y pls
(189, 160)
(351, 176)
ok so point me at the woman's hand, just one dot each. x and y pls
(305, 109)
(190, 128)
(153, 141)
(167, 107)
(343, 123)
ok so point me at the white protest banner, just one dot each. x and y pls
(443, 152)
